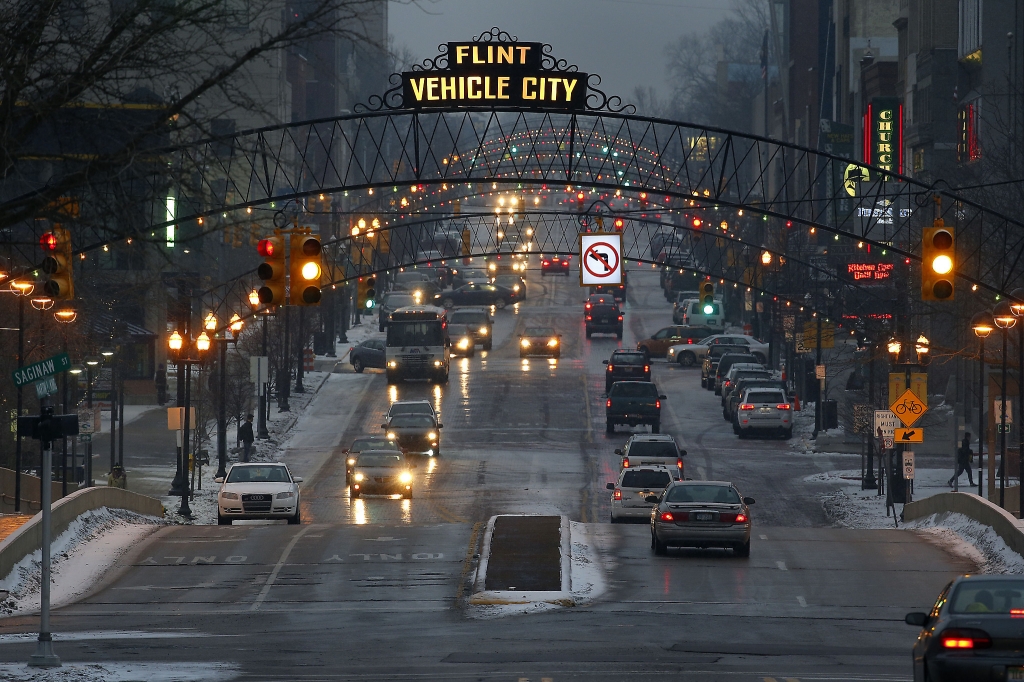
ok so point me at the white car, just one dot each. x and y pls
(258, 491)
(764, 409)
(635, 485)
(689, 354)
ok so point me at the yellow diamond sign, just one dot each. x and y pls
(908, 408)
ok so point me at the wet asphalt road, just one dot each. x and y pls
(375, 588)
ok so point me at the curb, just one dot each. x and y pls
(1005, 524)
(562, 597)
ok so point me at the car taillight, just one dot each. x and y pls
(625, 463)
(727, 383)
(647, 368)
(611, 367)
(589, 317)
(620, 318)
(679, 463)
(746, 406)
(617, 495)
(657, 404)
(782, 406)
(608, 403)
(547, 262)
(741, 518)
(689, 341)
(965, 638)
(587, 307)
(667, 516)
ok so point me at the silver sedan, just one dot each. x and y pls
(701, 514)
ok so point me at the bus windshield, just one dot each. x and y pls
(415, 333)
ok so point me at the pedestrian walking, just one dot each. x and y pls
(117, 478)
(246, 436)
(964, 459)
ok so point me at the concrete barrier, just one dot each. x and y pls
(29, 537)
(1006, 526)
(30, 492)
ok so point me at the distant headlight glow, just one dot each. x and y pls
(525, 343)
(432, 435)
(392, 435)
(406, 477)
(484, 331)
(552, 343)
(464, 344)
(359, 477)
(351, 461)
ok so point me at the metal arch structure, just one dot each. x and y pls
(670, 161)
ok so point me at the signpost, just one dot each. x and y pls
(909, 435)
(600, 258)
(908, 465)
(886, 424)
(908, 408)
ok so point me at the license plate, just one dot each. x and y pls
(766, 410)
(703, 516)
(604, 320)
(1015, 674)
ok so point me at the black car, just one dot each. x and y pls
(710, 364)
(554, 264)
(363, 444)
(727, 361)
(514, 283)
(602, 316)
(974, 631)
(626, 365)
(477, 321)
(633, 403)
(478, 294)
(369, 353)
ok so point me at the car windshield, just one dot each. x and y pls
(474, 274)
(379, 461)
(361, 444)
(506, 280)
(412, 421)
(410, 276)
(628, 359)
(479, 317)
(602, 300)
(765, 397)
(399, 300)
(749, 375)
(539, 331)
(647, 480)
(718, 494)
(633, 389)
(258, 474)
(989, 596)
(408, 333)
(653, 449)
(411, 408)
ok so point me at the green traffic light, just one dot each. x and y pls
(370, 303)
(709, 309)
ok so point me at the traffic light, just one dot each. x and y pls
(643, 199)
(707, 296)
(619, 224)
(938, 260)
(580, 196)
(57, 263)
(306, 268)
(697, 222)
(272, 270)
(367, 292)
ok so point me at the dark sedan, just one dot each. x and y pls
(554, 264)
(974, 632)
(362, 445)
(540, 341)
(478, 294)
(369, 353)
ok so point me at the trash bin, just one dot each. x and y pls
(898, 486)
(829, 415)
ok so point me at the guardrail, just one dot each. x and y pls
(1005, 524)
(29, 537)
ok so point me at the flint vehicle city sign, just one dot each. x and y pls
(481, 74)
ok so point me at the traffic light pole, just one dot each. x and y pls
(300, 343)
(264, 398)
(44, 656)
(21, 363)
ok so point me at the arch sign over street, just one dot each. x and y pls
(600, 259)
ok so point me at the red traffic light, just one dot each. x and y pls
(696, 222)
(643, 196)
(48, 241)
(580, 197)
(619, 224)
(265, 248)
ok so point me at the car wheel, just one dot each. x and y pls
(589, 333)
(609, 427)
(607, 386)
(743, 550)
(392, 378)
(500, 303)
(221, 521)
(448, 303)
(612, 518)
(656, 427)
(357, 366)
(380, 327)
(725, 415)
(741, 433)
(295, 520)
(618, 334)
(687, 359)
(735, 429)
(660, 548)
(703, 382)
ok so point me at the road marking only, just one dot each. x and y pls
(277, 569)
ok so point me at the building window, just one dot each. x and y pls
(968, 148)
(918, 160)
(969, 39)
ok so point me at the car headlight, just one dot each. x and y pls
(525, 343)
(229, 496)
(285, 495)
(432, 435)
(406, 477)
(552, 343)
(392, 435)
(464, 344)
(492, 266)
(392, 363)
(437, 363)
(359, 477)
(484, 331)
(515, 287)
(351, 461)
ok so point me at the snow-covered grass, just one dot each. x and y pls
(80, 556)
(974, 541)
(120, 672)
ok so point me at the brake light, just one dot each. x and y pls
(667, 517)
(657, 404)
(647, 368)
(727, 383)
(746, 406)
(679, 463)
(689, 341)
(1016, 612)
(965, 638)
(608, 403)
(782, 406)
(589, 317)
(587, 307)
(620, 318)
(547, 262)
(741, 518)
(611, 367)
(617, 495)
(625, 463)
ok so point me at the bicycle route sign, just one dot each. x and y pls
(600, 259)
(908, 408)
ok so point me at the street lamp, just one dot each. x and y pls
(42, 302)
(894, 347)
(766, 258)
(262, 395)
(1017, 306)
(222, 420)
(65, 315)
(982, 324)
(1005, 320)
(922, 347)
(179, 347)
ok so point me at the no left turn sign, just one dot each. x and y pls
(600, 259)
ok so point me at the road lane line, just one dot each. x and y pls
(468, 561)
(763, 536)
(802, 601)
(277, 569)
(781, 565)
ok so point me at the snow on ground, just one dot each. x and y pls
(80, 556)
(119, 672)
(964, 536)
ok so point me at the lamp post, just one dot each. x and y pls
(90, 363)
(1017, 306)
(180, 347)
(1005, 320)
(229, 335)
(894, 348)
(22, 290)
(262, 395)
(108, 356)
(65, 316)
(982, 324)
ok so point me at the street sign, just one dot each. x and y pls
(828, 334)
(908, 465)
(176, 418)
(44, 368)
(800, 348)
(886, 424)
(998, 407)
(908, 407)
(887, 443)
(48, 386)
(89, 420)
(909, 436)
(600, 258)
(819, 371)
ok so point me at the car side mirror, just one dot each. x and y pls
(918, 618)
(297, 479)
(618, 451)
(653, 499)
(383, 426)
(440, 426)
(219, 479)
(662, 397)
(604, 362)
(609, 486)
(682, 453)
(748, 500)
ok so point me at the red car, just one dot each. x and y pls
(556, 264)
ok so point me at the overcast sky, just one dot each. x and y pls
(623, 40)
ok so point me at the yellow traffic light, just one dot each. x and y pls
(938, 260)
(272, 270)
(57, 264)
(306, 269)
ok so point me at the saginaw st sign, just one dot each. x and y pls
(481, 74)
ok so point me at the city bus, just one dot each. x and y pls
(417, 344)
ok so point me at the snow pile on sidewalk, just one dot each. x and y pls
(81, 555)
(120, 672)
(974, 541)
